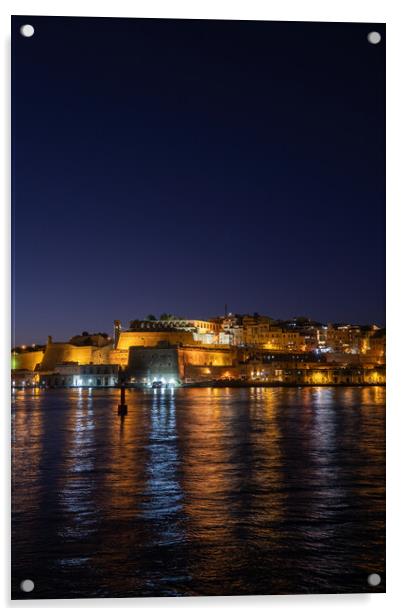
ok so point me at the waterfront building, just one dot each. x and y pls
(84, 375)
(313, 374)
(21, 378)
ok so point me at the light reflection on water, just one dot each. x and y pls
(198, 491)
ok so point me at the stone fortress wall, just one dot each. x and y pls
(63, 352)
(27, 360)
(195, 356)
(109, 355)
(179, 362)
(129, 339)
(57, 353)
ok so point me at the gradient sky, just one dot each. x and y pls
(178, 166)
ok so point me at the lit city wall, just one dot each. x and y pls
(179, 362)
(60, 352)
(109, 355)
(151, 339)
(207, 357)
(26, 361)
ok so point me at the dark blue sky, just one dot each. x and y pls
(163, 165)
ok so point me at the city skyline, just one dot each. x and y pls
(156, 170)
(172, 317)
(221, 350)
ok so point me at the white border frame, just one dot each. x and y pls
(287, 10)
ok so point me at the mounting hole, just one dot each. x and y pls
(27, 585)
(27, 30)
(374, 38)
(374, 579)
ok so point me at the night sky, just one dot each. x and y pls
(178, 166)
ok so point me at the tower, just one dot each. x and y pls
(117, 330)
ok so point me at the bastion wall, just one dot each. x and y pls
(26, 361)
(152, 339)
(179, 362)
(61, 352)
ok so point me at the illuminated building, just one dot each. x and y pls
(231, 330)
(172, 331)
(84, 375)
(24, 378)
(233, 347)
(341, 338)
(377, 344)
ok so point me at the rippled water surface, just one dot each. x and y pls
(198, 491)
